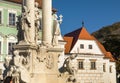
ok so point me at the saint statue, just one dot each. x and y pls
(56, 32)
(37, 21)
(26, 25)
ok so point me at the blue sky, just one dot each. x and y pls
(95, 13)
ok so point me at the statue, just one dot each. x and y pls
(69, 67)
(37, 21)
(56, 32)
(18, 69)
(26, 25)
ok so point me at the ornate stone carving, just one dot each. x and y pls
(49, 61)
(69, 67)
(18, 70)
(37, 21)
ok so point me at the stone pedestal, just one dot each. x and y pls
(46, 66)
(43, 63)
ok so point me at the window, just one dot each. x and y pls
(0, 17)
(12, 19)
(82, 46)
(110, 69)
(10, 47)
(93, 65)
(90, 46)
(104, 67)
(0, 47)
(80, 65)
(11, 40)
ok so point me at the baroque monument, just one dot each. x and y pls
(33, 62)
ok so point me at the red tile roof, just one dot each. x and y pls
(39, 1)
(81, 33)
(69, 43)
(20, 1)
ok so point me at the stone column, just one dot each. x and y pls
(46, 21)
(30, 5)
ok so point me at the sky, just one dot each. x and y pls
(94, 13)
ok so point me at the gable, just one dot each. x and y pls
(86, 47)
(81, 36)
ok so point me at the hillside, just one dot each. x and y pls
(109, 36)
(107, 32)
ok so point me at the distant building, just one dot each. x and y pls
(8, 31)
(93, 63)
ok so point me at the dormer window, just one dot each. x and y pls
(82, 46)
(90, 46)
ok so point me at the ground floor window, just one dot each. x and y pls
(0, 47)
(0, 17)
(93, 65)
(10, 47)
(80, 64)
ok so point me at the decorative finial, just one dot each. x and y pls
(61, 16)
(82, 23)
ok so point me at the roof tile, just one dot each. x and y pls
(81, 33)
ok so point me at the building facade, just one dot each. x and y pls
(8, 31)
(93, 63)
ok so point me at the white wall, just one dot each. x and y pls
(95, 50)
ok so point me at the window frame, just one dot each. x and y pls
(81, 46)
(80, 64)
(93, 65)
(10, 47)
(13, 12)
(1, 10)
(104, 67)
(10, 39)
(90, 46)
(1, 40)
(110, 68)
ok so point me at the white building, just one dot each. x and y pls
(93, 63)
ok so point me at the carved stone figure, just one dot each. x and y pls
(69, 67)
(37, 21)
(15, 73)
(49, 61)
(68, 64)
(18, 70)
(17, 59)
(57, 31)
(26, 25)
